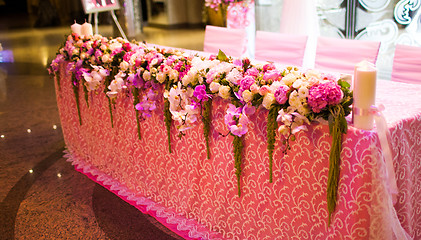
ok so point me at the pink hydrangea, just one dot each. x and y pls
(324, 94)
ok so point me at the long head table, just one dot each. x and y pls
(197, 197)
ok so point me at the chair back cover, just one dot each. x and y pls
(407, 64)
(280, 47)
(341, 55)
(231, 41)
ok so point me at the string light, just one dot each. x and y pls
(59, 175)
(54, 127)
(29, 130)
(31, 171)
(2, 136)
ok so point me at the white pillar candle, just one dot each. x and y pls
(87, 29)
(365, 76)
(76, 28)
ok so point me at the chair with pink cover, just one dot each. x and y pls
(341, 55)
(407, 64)
(281, 48)
(229, 40)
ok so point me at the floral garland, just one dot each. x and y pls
(189, 83)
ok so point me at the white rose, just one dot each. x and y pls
(173, 75)
(297, 84)
(146, 75)
(154, 62)
(106, 58)
(268, 100)
(247, 96)
(313, 73)
(294, 100)
(224, 92)
(187, 79)
(83, 55)
(124, 66)
(254, 88)
(214, 87)
(160, 77)
(289, 79)
(303, 93)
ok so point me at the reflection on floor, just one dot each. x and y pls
(42, 196)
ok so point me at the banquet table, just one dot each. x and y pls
(196, 197)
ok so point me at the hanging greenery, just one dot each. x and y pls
(206, 119)
(136, 100)
(75, 85)
(272, 126)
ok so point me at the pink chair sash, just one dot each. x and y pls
(341, 55)
(231, 41)
(407, 64)
(280, 47)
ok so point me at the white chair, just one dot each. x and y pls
(407, 64)
(281, 48)
(341, 55)
(231, 41)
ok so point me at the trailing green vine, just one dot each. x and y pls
(337, 127)
(206, 119)
(75, 85)
(272, 125)
(107, 82)
(168, 121)
(136, 100)
(238, 152)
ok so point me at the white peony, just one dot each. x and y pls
(214, 87)
(224, 92)
(268, 100)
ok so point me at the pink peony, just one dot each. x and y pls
(281, 94)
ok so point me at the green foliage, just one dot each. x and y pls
(136, 100)
(206, 119)
(271, 127)
(337, 127)
(238, 152)
(222, 56)
(76, 92)
(168, 120)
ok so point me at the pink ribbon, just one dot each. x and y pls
(384, 135)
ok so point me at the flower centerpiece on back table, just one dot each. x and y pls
(292, 98)
(216, 11)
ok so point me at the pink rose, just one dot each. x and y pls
(264, 90)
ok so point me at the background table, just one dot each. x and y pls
(197, 197)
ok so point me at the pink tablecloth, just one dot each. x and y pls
(197, 197)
